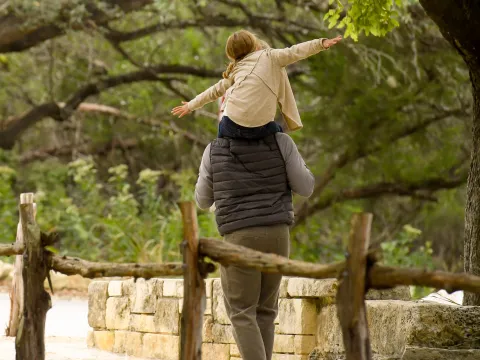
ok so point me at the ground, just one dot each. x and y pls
(65, 332)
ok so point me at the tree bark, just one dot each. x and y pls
(379, 277)
(229, 254)
(9, 250)
(91, 270)
(459, 23)
(472, 209)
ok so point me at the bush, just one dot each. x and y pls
(403, 252)
(107, 221)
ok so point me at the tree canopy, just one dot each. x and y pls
(86, 88)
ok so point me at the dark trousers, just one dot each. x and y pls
(251, 297)
(228, 128)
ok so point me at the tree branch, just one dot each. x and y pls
(86, 148)
(110, 110)
(216, 21)
(419, 189)
(88, 269)
(15, 36)
(103, 149)
(355, 153)
(13, 249)
(17, 126)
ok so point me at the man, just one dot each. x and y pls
(251, 184)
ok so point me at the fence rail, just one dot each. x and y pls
(9, 250)
(357, 274)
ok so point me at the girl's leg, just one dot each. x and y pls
(228, 128)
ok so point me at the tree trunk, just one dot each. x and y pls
(459, 23)
(472, 209)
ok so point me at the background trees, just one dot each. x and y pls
(86, 89)
(458, 22)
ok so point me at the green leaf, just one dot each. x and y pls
(52, 249)
(329, 14)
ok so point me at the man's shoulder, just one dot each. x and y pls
(285, 144)
(284, 138)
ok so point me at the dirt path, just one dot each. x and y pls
(66, 330)
(61, 348)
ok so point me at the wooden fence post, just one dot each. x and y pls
(30, 339)
(194, 295)
(16, 293)
(351, 309)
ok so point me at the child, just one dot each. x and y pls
(257, 82)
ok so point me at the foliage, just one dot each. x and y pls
(46, 11)
(357, 98)
(8, 205)
(376, 17)
(109, 221)
(403, 252)
(400, 252)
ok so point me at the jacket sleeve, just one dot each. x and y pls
(300, 178)
(287, 56)
(211, 94)
(204, 186)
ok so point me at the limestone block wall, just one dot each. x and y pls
(142, 318)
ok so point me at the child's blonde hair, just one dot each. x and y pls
(239, 44)
(263, 44)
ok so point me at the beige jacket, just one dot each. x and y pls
(258, 83)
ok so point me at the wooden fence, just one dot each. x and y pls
(359, 272)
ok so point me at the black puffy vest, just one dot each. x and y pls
(250, 186)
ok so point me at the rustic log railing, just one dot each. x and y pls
(357, 274)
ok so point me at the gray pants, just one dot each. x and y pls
(251, 297)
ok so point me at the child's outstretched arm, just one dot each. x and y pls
(288, 56)
(209, 95)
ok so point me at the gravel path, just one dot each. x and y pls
(66, 330)
(61, 348)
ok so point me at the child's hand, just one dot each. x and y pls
(330, 42)
(181, 110)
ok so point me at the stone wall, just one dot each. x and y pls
(142, 319)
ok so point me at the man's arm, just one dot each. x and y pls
(204, 186)
(300, 178)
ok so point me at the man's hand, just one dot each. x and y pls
(182, 110)
(330, 42)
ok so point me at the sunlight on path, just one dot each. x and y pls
(58, 348)
(66, 331)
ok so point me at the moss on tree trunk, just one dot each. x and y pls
(472, 209)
